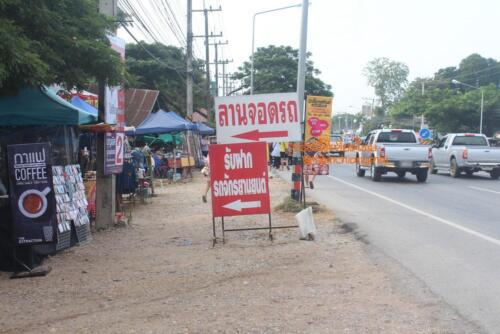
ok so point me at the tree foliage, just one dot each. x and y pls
(54, 41)
(275, 71)
(388, 78)
(454, 108)
(166, 73)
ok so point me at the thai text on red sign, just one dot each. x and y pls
(262, 117)
(239, 179)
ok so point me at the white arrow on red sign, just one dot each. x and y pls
(257, 135)
(238, 205)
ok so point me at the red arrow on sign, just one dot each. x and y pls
(256, 134)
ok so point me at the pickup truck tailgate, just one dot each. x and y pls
(406, 152)
(483, 155)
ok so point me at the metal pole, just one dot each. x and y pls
(253, 48)
(253, 40)
(301, 75)
(207, 63)
(216, 70)
(482, 108)
(224, 90)
(189, 54)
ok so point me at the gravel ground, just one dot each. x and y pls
(162, 275)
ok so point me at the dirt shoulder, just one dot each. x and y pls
(162, 275)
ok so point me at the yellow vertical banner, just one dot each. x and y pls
(318, 122)
(317, 134)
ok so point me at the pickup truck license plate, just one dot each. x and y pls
(406, 164)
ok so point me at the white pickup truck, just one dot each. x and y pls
(393, 150)
(465, 152)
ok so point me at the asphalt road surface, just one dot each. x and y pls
(445, 231)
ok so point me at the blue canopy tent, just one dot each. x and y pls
(204, 130)
(81, 104)
(189, 125)
(41, 106)
(163, 122)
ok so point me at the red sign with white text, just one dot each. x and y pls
(239, 179)
(262, 117)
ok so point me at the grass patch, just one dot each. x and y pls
(290, 205)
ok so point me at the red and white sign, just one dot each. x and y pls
(263, 117)
(114, 99)
(239, 179)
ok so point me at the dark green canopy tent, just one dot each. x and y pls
(163, 138)
(40, 106)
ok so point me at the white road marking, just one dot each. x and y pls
(423, 213)
(485, 190)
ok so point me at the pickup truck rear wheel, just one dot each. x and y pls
(454, 171)
(376, 173)
(433, 167)
(422, 175)
(495, 174)
(359, 171)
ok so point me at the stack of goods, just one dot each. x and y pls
(90, 190)
(71, 202)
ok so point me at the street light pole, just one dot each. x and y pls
(253, 39)
(481, 117)
(456, 82)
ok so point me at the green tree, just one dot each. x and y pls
(162, 68)
(451, 108)
(54, 41)
(275, 71)
(388, 78)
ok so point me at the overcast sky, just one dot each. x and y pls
(344, 35)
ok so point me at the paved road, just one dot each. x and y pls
(445, 231)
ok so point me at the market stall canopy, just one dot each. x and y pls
(80, 103)
(163, 138)
(189, 125)
(204, 129)
(162, 122)
(41, 106)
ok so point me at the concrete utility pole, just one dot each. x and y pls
(105, 184)
(301, 75)
(224, 76)
(207, 54)
(216, 62)
(189, 64)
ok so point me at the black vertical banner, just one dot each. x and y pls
(31, 193)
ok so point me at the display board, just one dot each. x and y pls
(31, 193)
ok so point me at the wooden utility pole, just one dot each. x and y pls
(216, 62)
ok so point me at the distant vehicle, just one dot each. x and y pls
(336, 145)
(465, 152)
(397, 151)
(494, 142)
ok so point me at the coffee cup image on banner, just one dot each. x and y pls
(33, 203)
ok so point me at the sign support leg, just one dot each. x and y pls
(223, 232)
(270, 228)
(214, 240)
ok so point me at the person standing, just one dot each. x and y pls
(284, 155)
(275, 154)
(206, 174)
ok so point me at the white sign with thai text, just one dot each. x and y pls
(262, 117)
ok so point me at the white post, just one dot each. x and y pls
(253, 48)
(301, 75)
(481, 117)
